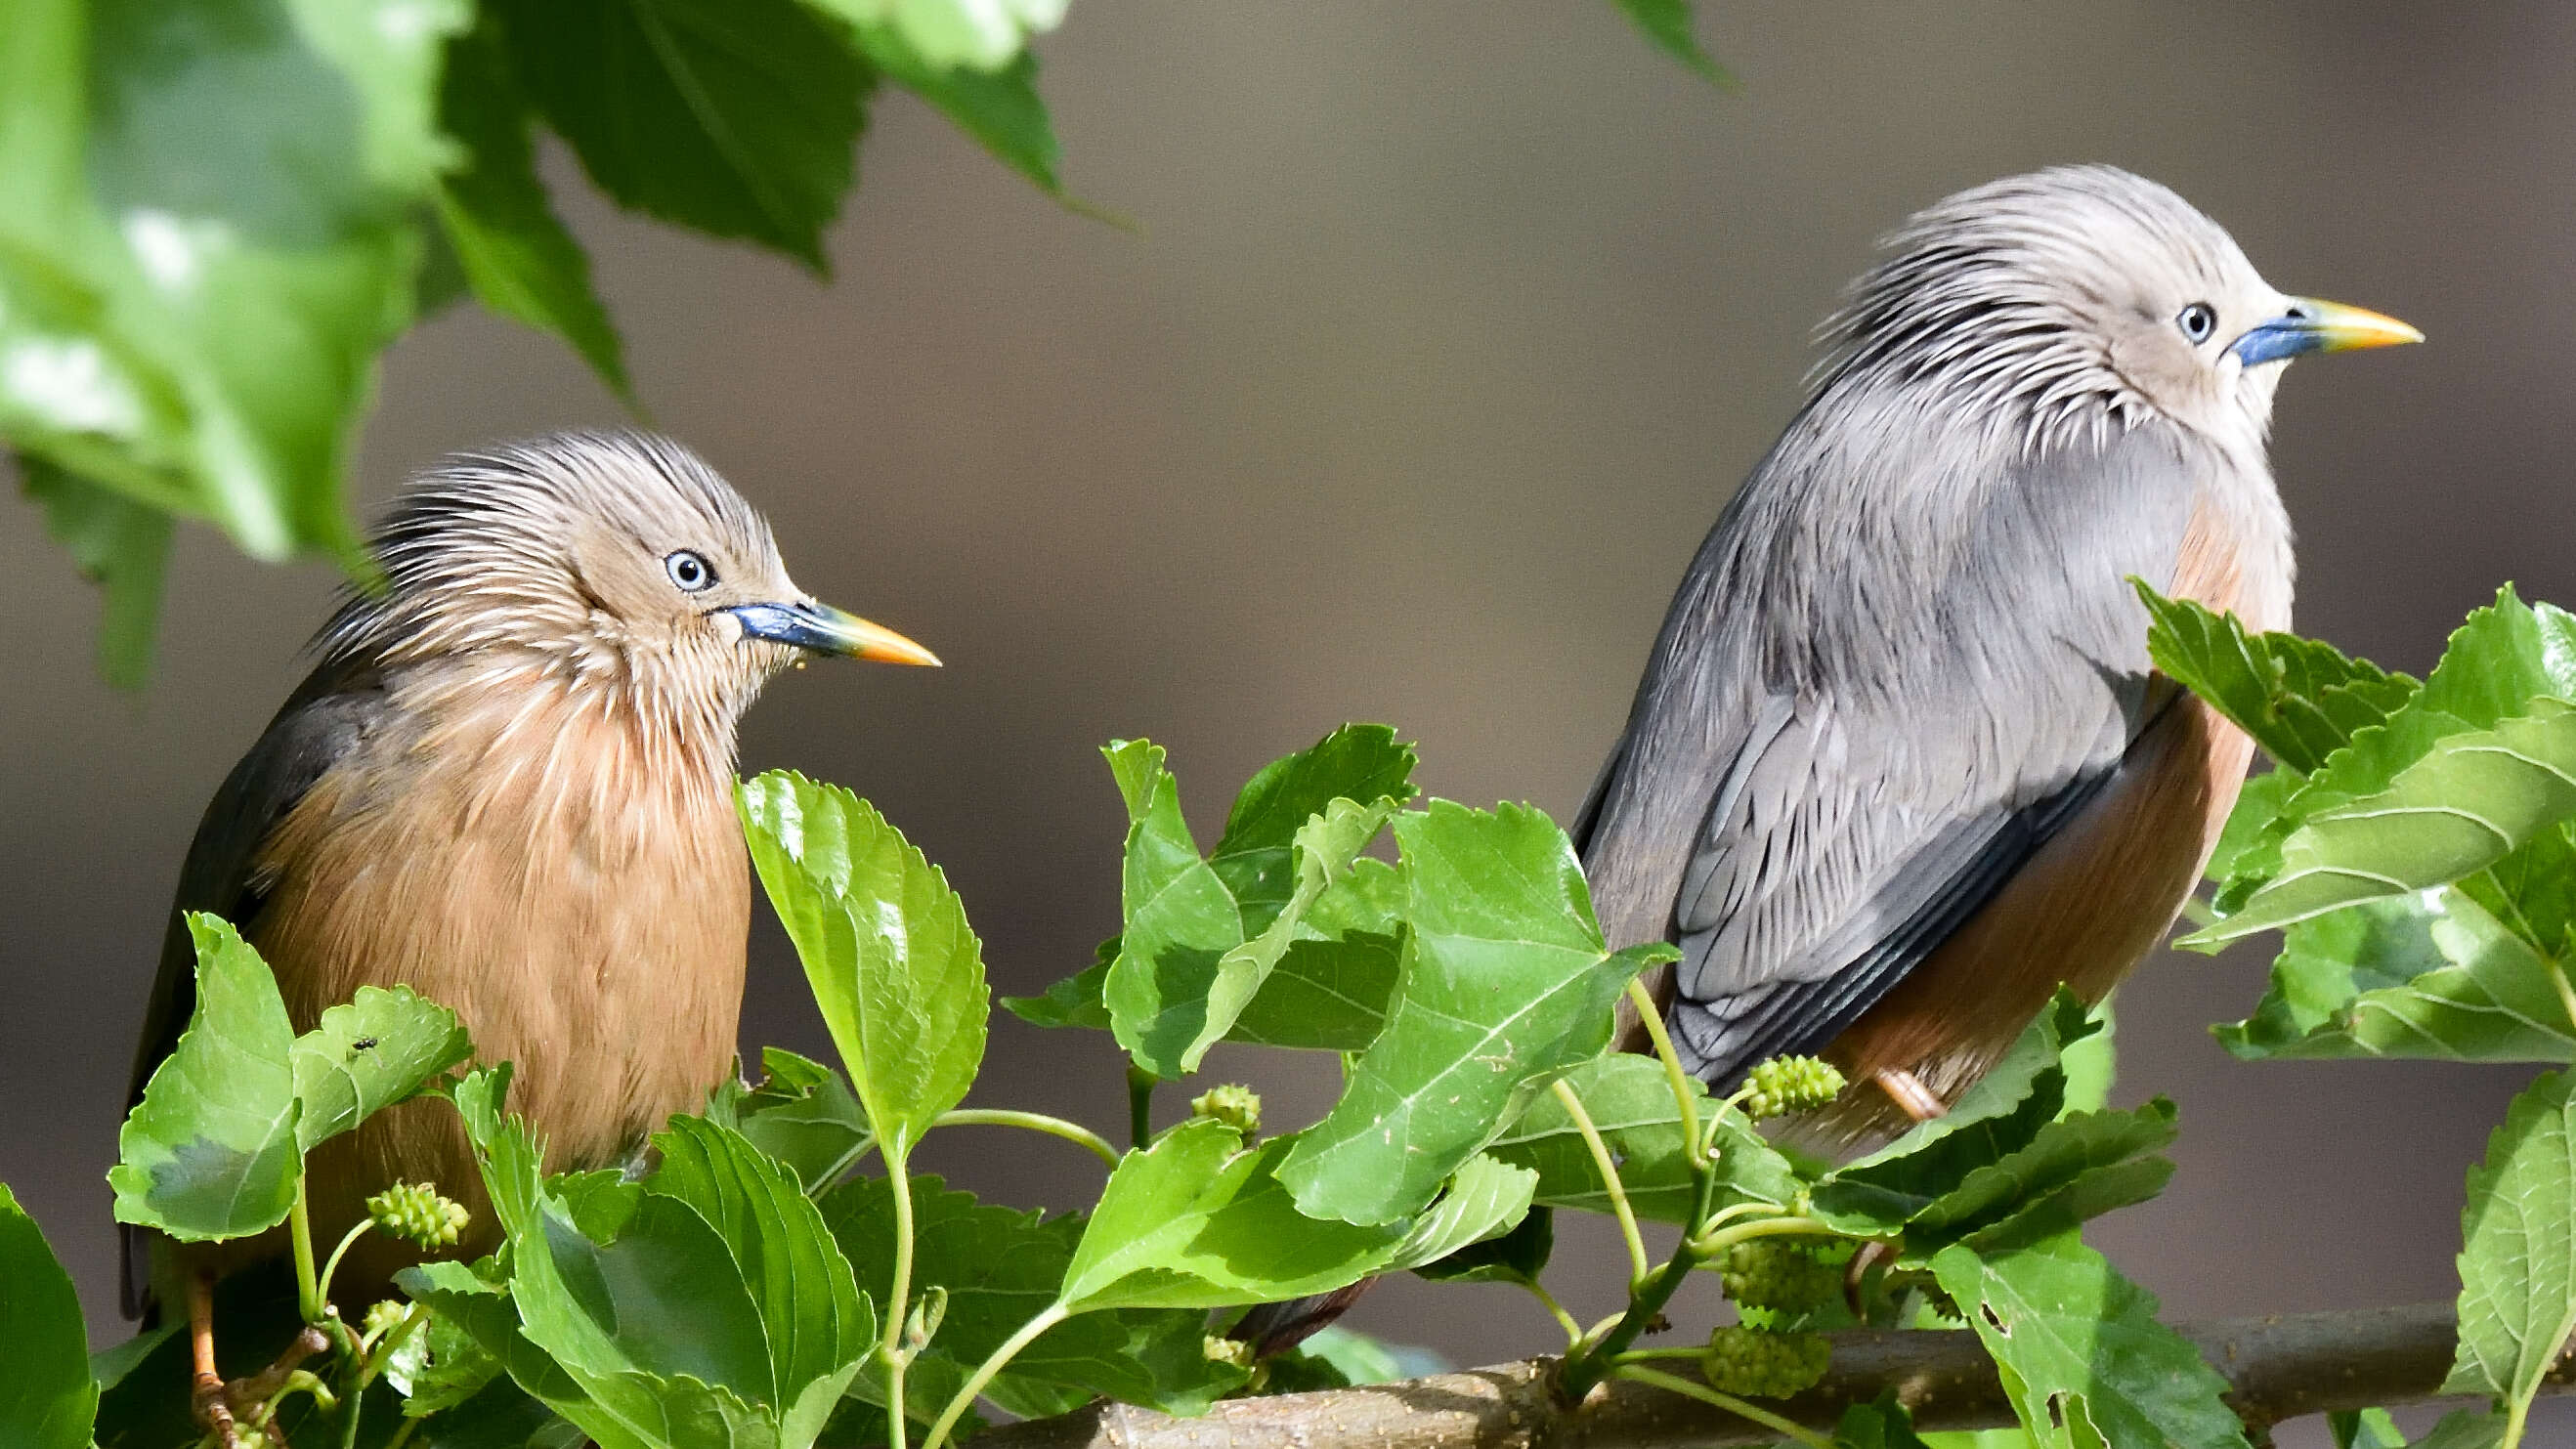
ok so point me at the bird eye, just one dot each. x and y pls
(2197, 322)
(690, 572)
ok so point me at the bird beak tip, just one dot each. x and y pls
(2340, 328)
(826, 630)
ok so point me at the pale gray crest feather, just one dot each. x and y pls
(1907, 653)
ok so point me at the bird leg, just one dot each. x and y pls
(206, 1392)
(1910, 1095)
(220, 1406)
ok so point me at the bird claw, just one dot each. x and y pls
(234, 1414)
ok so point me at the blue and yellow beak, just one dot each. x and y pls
(826, 630)
(2308, 325)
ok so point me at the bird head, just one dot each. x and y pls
(2084, 297)
(616, 561)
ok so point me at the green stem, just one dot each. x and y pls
(1642, 1355)
(899, 1177)
(299, 1231)
(1712, 1244)
(402, 1436)
(1638, 1266)
(1556, 1310)
(849, 1159)
(357, 1399)
(2514, 1415)
(1140, 1106)
(1073, 1132)
(1054, 1314)
(331, 1265)
(1685, 1101)
(413, 1317)
(1729, 1402)
(1590, 1362)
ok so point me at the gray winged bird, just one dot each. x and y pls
(1899, 765)
(508, 783)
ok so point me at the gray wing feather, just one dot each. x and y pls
(1898, 665)
(324, 720)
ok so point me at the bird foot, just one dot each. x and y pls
(234, 1414)
(1910, 1095)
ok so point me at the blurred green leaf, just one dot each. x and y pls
(2465, 1429)
(440, 1366)
(2077, 1167)
(117, 543)
(1073, 1001)
(2518, 1250)
(1199, 1221)
(47, 1398)
(999, 107)
(1630, 1102)
(2467, 802)
(1881, 1425)
(2364, 1429)
(738, 120)
(502, 230)
(207, 234)
(2083, 1358)
(2091, 1062)
(1666, 24)
(2301, 700)
(374, 1050)
(896, 970)
(211, 1152)
(1507, 984)
(802, 1113)
(981, 34)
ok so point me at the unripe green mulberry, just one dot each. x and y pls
(1761, 1365)
(1238, 1107)
(382, 1314)
(1790, 1084)
(1776, 1273)
(415, 1213)
(1227, 1351)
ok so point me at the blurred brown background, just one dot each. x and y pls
(1448, 330)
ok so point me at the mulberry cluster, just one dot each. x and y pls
(1238, 1107)
(1759, 1365)
(1776, 1273)
(415, 1213)
(382, 1314)
(1790, 1084)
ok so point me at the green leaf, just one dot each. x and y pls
(897, 972)
(47, 1399)
(737, 120)
(2518, 1253)
(2001, 1114)
(117, 543)
(2079, 1345)
(1000, 1267)
(2091, 1063)
(207, 234)
(2434, 977)
(1197, 1221)
(2471, 799)
(982, 34)
(504, 233)
(1630, 1102)
(2257, 807)
(1204, 935)
(1666, 24)
(2465, 1429)
(2076, 1168)
(1884, 1424)
(1073, 1001)
(1506, 985)
(2301, 700)
(439, 1366)
(1000, 108)
(818, 1325)
(1518, 1256)
(210, 1152)
(2498, 661)
(1486, 1199)
(802, 1113)
(2364, 1429)
(376, 1049)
